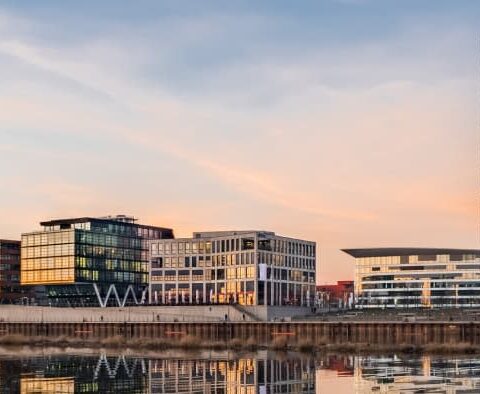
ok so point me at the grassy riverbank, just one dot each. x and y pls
(250, 344)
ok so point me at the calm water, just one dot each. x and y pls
(51, 371)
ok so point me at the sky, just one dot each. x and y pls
(352, 123)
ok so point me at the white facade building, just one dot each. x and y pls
(416, 277)
(233, 267)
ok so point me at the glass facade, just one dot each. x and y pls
(415, 278)
(248, 268)
(10, 290)
(71, 255)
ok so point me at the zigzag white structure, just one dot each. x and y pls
(112, 290)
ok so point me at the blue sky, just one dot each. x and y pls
(351, 123)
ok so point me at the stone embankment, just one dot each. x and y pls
(230, 327)
(315, 335)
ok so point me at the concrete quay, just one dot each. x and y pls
(225, 323)
(148, 314)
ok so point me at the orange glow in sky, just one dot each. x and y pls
(348, 123)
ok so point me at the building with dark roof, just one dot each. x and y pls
(416, 277)
(10, 290)
(89, 261)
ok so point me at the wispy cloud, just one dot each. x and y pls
(225, 119)
(253, 182)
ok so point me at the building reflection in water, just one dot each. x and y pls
(240, 376)
(406, 374)
(120, 374)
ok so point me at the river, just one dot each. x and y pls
(24, 370)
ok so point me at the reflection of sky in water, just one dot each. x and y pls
(393, 374)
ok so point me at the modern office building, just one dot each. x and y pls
(10, 290)
(233, 267)
(414, 278)
(89, 261)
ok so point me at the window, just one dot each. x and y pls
(248, 244)
(157, 262)
(427, 257)
(170, 275)
(184, 275)
(264, 244)
(231, 274)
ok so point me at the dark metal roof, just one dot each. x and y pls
(9, 241)
(384, 252)
(92, 219)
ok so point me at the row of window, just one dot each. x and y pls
(159, 275)
(10, 267)
(9, 278)
(232, 259)
(200, 275)
(111, 277)
(48, 263)
(420, 285)
(442, 258)
(84, 250)
(111, 265)
(287, 247)
(232, 245)
(286, 261)
(10, 257)
(48, 251)
(130, 230)
(181, 295)
(428, 267)
(9, 247)
(83, 237)
(111, 253)
(268, 293)
(84, 263)
(48, 276)
(203, 261)
(44, 238)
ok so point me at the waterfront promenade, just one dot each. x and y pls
(147, 323)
